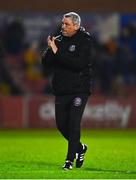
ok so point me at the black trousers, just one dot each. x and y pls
(68, 111)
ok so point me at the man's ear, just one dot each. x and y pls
(76, 27)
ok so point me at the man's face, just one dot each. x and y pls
(68, 27)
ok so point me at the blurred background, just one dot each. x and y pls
(26, 99)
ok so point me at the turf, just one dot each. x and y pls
(41, 153)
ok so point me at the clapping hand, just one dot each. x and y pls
(51, 44)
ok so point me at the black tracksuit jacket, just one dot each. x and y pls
(72, 64)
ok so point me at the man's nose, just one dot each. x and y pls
(63, 26)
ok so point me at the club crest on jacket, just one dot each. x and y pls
(72, 48)
(77, 101)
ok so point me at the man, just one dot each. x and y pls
(70, 56)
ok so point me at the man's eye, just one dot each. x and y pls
(65, 24)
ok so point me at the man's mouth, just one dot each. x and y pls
(63, 30)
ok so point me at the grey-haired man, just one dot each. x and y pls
(70, 56)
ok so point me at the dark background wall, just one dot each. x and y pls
(69, 5)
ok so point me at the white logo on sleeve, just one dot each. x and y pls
(72, 48)
(77, 101)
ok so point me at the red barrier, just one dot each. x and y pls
(41, 112)
(11, 110)
(38, 112)
(110, 113)
(1, 117)
(100, 112)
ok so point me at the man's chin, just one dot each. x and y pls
(64, 34)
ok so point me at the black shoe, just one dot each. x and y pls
(80, 156)
(68, 165)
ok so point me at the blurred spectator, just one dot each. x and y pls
(31, 57)
(35, 81)
(128, 37)
(14, 36)
(104, 63)
(7, 83)
(124, 61)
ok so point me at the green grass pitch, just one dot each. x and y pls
(38, 154)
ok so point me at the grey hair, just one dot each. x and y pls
(74, 17)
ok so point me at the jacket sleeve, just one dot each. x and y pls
(47, 58)
(79, 60)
